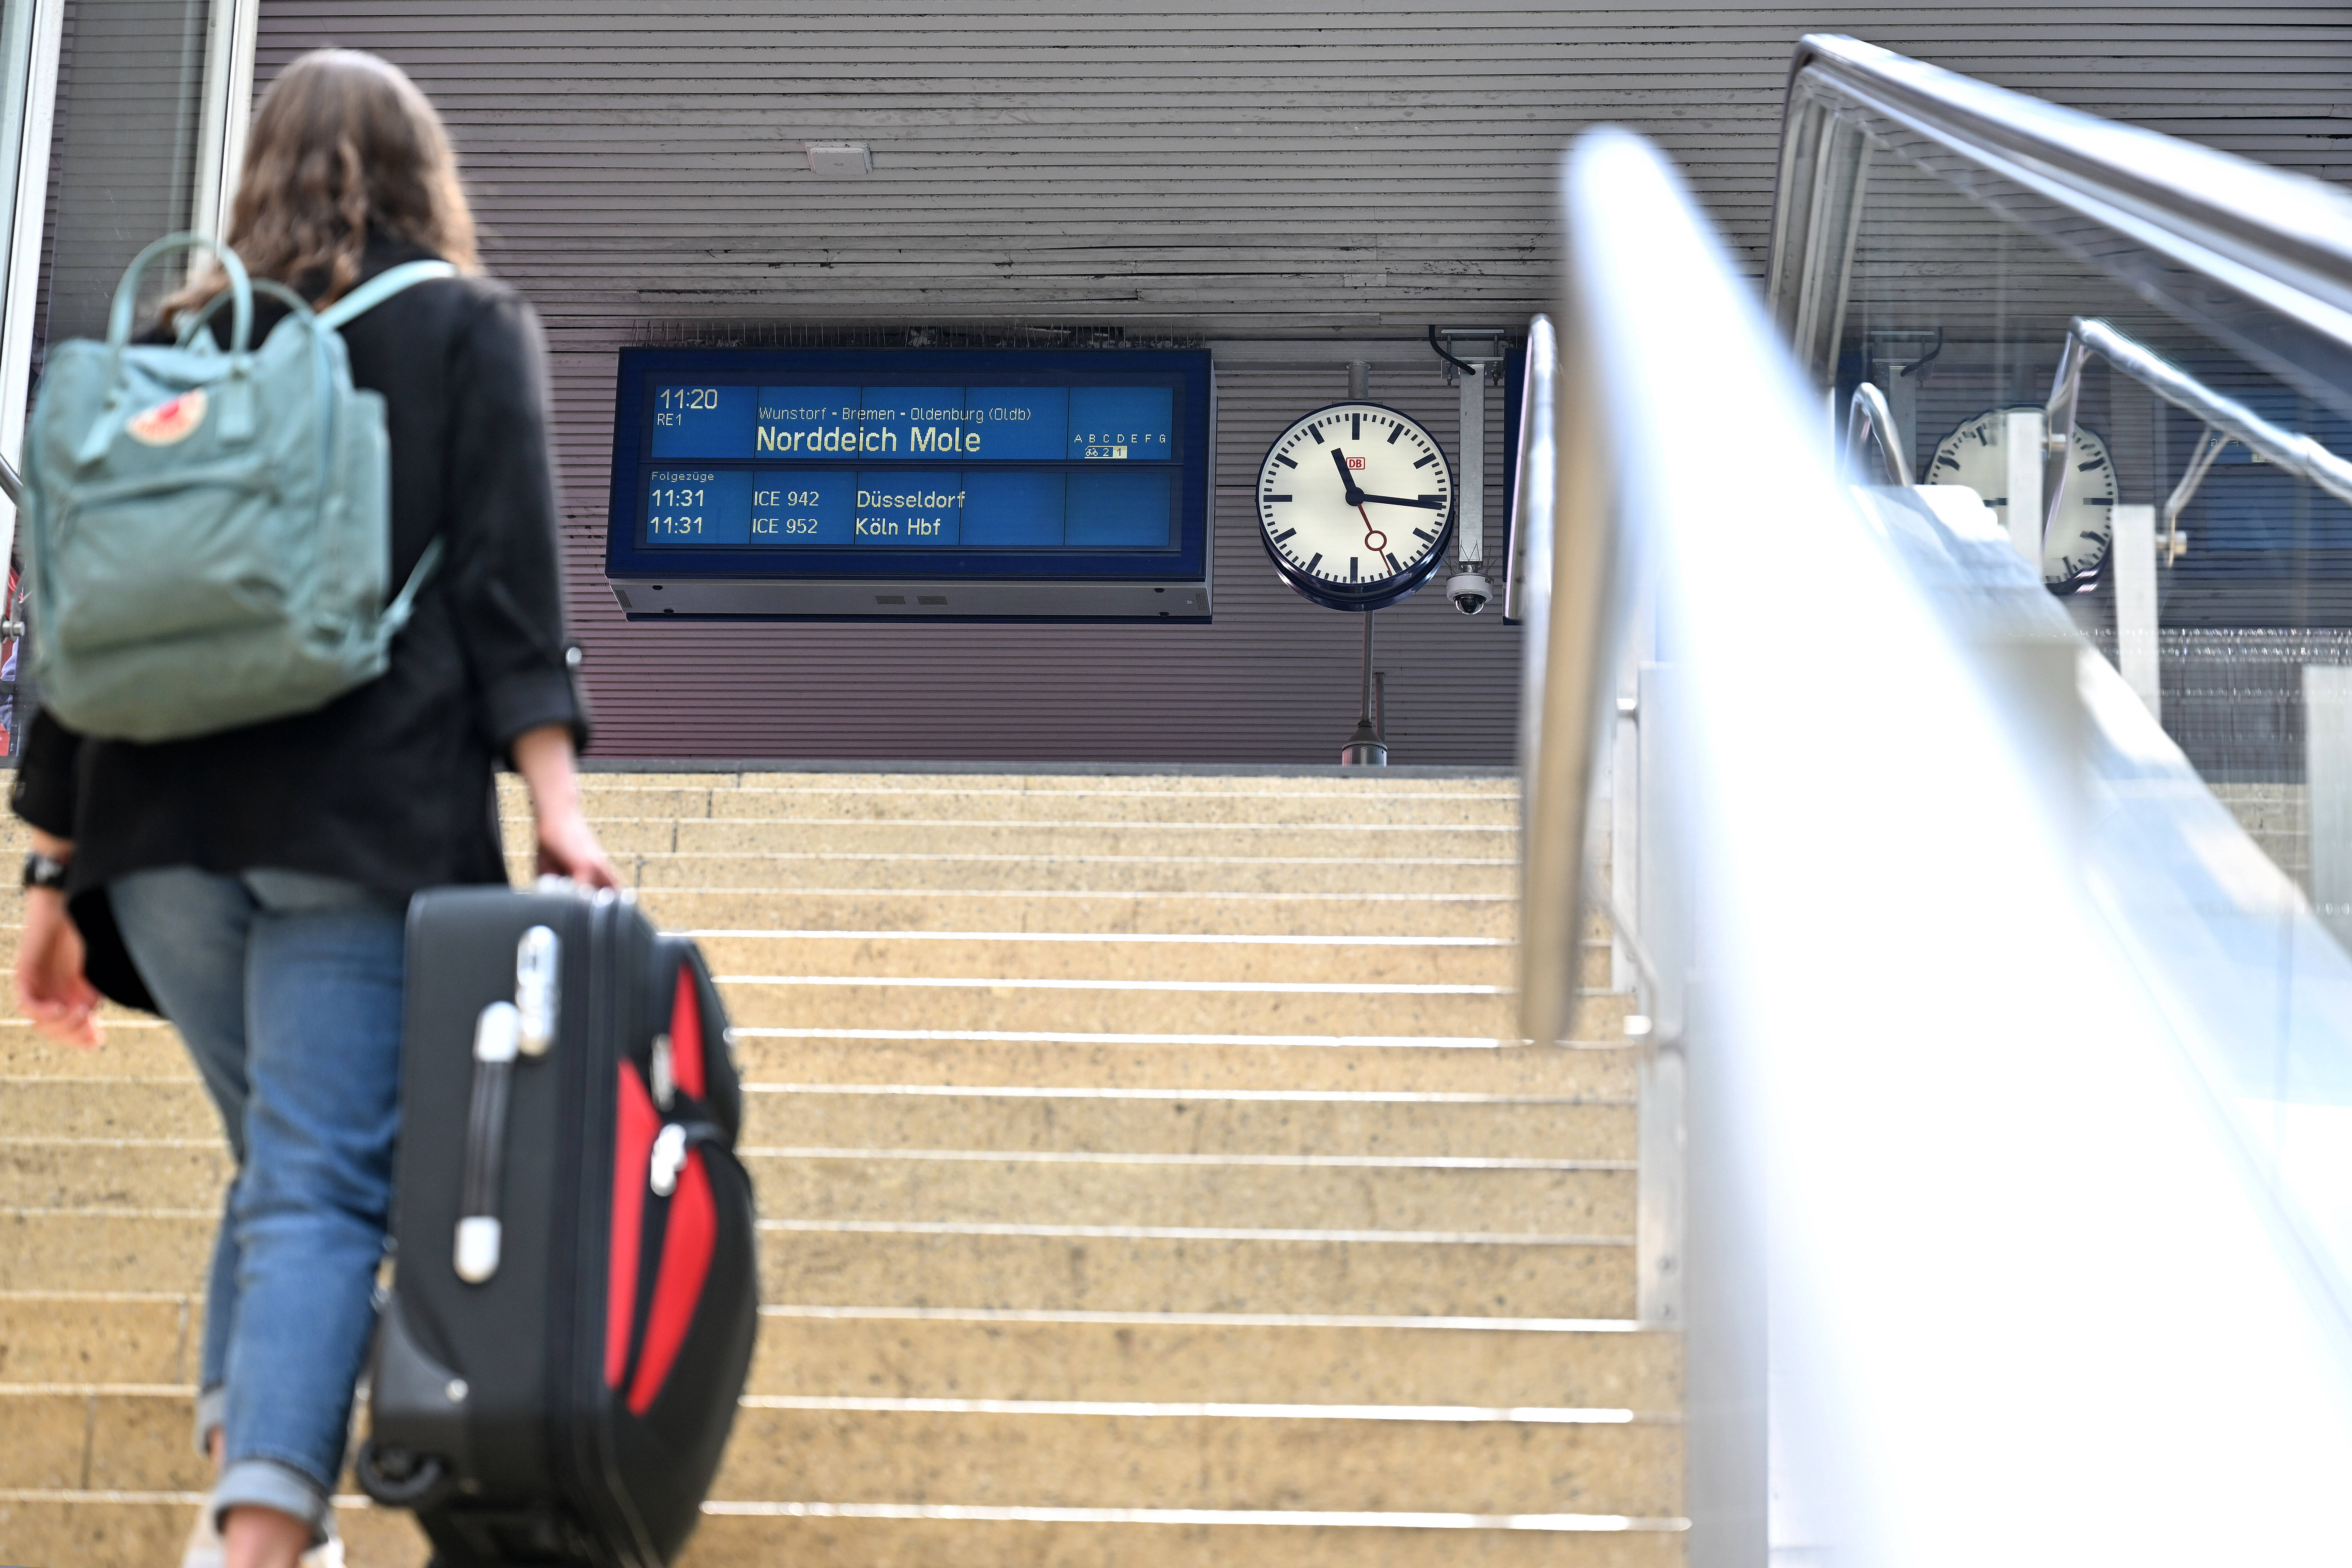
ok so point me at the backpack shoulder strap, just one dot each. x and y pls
(380, 287)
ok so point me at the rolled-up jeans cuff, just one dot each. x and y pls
(264, 1483)
(212, 1414)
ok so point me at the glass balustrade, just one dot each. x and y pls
(1983, 606)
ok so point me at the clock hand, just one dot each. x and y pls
(1339, 460)
(1401, 500)
(1374, 540)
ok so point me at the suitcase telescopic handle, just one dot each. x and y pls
(536, 970)
(497, 1034)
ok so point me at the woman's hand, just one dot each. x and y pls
(50, 987)
(567, 845)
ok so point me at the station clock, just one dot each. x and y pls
(2076, 544)
(1356, 504)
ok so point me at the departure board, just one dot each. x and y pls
(960, 464)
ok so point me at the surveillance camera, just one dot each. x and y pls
(1469, 591)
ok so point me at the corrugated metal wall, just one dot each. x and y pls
(1268, 171)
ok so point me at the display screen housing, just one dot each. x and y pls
(954, 482)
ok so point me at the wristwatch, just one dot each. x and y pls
(44, 870)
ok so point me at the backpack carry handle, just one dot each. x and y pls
(126, 294)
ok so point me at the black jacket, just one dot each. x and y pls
(389, 785)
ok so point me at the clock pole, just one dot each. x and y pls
(1367, 748)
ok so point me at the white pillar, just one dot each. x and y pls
(30, 178)
(2023, 444)
(2132, 554)
(2328, 775)
(229, 46)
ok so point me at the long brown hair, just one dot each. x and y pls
(342, 142)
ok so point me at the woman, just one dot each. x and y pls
(258, 879)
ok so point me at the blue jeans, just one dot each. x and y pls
(287, 988)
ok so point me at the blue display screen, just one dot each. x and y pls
(954, 462)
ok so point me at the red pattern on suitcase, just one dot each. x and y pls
(687, 1047)
(632, 1142)
(686, 1245)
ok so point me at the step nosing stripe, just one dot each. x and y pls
(1249, 987)
(1221, 895)
(1206, 1096)
(1433, 1042)
(930, 858)
(901, 824)
(1089, 1157)
(1187, 1233)
(1241, 939)
(1197, 1410)
(1317, 1518)
(1209, 1320)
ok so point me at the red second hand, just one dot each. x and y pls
(1371, 533)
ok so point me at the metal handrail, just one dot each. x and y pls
(1531, 535)
(2298, 454)
(1868, 414)
(1954, 1145)
(2218, 240)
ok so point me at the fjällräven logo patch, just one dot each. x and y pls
(170, 423)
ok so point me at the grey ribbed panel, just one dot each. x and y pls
(1267, 170)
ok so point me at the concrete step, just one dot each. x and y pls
(1153, 1357)
(1491, 916)
(1180, 1121)
(137, 1047)
(102, 1108)
(147, 1051)
(1349, 1192)
(983, 1187)
(113, 1173)
(917, 797)
(905, 1116)
(1082, 955)
(108, 1529)
(1117, 1007)
(1024, 1265)
(76, 1338)
(1177, 1060)
(1068, 1269)
(104, 1437)
(1059, 1459)
(947, 871)
(81, 1337)
(925, 1058)
(1040, 840)
(1050, 1453)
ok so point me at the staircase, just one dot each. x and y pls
(1142, 1182)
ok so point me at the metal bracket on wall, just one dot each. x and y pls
(1473, 359)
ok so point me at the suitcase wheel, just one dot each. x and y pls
(398, 1478)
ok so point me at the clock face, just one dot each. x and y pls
(1976, 455)
(1355, 503)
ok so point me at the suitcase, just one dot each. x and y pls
(574, 1284)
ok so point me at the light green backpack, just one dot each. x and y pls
(208, 534)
